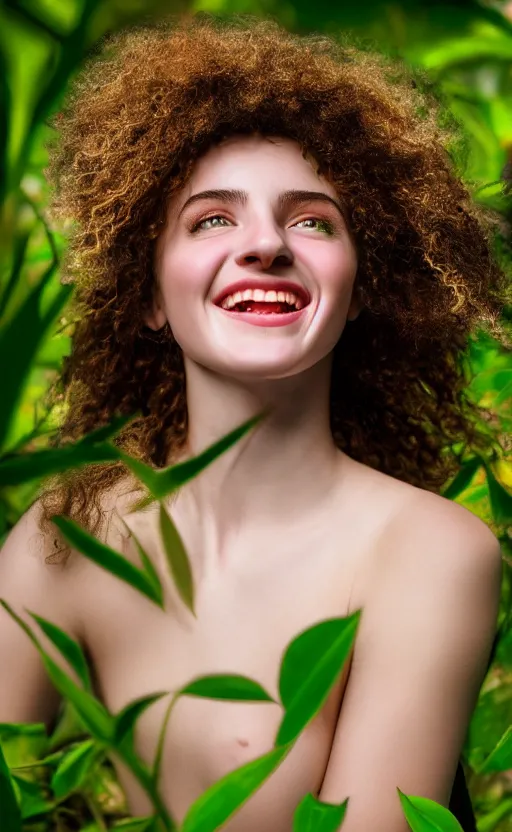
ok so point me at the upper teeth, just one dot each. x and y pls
(261, 295)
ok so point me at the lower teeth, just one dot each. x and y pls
(260, 310)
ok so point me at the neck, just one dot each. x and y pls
(281, 471)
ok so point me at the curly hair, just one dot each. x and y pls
(142, 111)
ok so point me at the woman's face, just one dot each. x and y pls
(213, 241)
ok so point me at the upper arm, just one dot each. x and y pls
(27, 582)
(420, 658)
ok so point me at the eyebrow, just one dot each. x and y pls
(285, 199)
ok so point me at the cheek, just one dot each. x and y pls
(335, 267)
(183, 275)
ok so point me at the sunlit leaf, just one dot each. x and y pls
(500, 758)
(222, 799)
(20, 468)
(424, 815)
(228, 687)
(463, 478)
(312, 815)
(501, 500)
(310, 666)
(75, 767)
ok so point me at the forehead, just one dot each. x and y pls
(255, 159)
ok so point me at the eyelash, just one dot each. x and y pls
(328, 227)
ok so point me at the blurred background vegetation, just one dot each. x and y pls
(465, 46)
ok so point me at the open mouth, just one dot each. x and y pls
(263, 307)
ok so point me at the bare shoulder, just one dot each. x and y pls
(419, 533)
(432, 535)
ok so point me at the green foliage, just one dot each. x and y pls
(466, 49)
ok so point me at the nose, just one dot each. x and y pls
(266, 247)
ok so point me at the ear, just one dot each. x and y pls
(154, 317)
(355, 307)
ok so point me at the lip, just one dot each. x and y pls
(272, 319)
(267, 286)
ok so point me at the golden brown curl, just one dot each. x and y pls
(139, 115)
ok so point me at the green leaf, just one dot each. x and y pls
(75, 768)
(50, 760)
(501, 500)
(495, 379)
(94, 715)
(424, 815)
(312, 815)
(310, 666)
(216, 686)
(500, 758)
(11, 815)
(106, 432)
(149, 569)
(126, 719)
(21, 468)
(29, 729)
(20, 340)
(68, 647)
(136, 824)
(23, 743)
(177, 559)
(221, 800)
(33, 798)
(463, 478)
(227, 687)
(161, 483)
(107, 558)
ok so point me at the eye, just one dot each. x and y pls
(323, 225)
(198, 225)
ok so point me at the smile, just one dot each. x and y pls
(262, 317)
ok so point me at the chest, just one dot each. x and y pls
(246, 617)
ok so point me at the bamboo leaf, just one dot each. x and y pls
(149, 569)
(126, 719)
(75, 767)
(22, 468)
(177, 559)
(19, 468)
(68, 647)
(424, 815)
(311, 665)
(107, 558)
(227, 687)
(11, 815)
(500, 758)
(221, 800)
(311, 815)
(94, 715)
(162, 483)
(33, 798)
(20, 339)
(463, 478)
(501, 500)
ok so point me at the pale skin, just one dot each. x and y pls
(283, 531)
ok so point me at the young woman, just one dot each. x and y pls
(268, 220)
